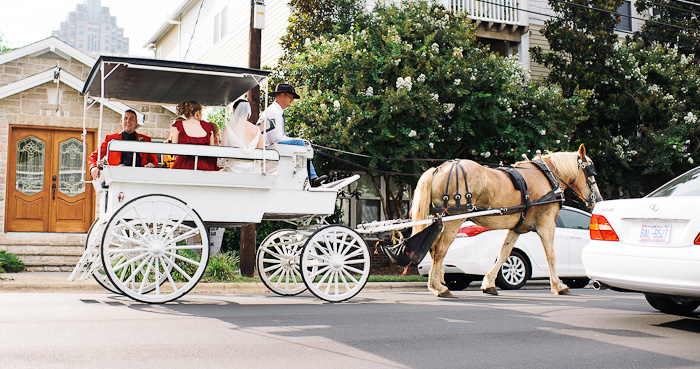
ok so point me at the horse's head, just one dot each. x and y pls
(584, 183)
(577, 172)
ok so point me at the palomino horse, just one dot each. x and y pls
(491, 188)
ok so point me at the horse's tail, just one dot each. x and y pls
(422, 198)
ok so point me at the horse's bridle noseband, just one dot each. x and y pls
(589, 171)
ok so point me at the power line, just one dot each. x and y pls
(591, 25)
(671, 7)
(193, 30)
(627, 16)
(687, 2)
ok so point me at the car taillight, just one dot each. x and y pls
(472, 230)
(697, 239)
(600, 229)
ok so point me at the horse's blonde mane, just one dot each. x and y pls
(565, 163)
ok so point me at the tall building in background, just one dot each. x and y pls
(92, 30)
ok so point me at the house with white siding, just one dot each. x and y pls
(217, 32)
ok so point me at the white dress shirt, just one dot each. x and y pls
(273, 116)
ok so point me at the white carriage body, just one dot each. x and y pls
(280, 192)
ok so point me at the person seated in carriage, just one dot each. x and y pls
(239, 132)
(129, 124)
(272, 120)
(192, 130)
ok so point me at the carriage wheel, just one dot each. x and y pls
(94, 236)
(335, 263)
(277, 260)
(145, 249)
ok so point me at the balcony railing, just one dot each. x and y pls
(500, 11)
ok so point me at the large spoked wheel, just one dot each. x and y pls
(156, 244)
(277, 260)
(335, 263)
(94, 237)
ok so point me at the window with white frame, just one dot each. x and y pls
(221, 24)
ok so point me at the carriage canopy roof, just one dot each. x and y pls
(168, 82)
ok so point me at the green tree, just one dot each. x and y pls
(675, 24)
(3, 47)
(411, 81)
(314, 18)
(641, 128)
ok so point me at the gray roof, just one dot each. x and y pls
(169, 82)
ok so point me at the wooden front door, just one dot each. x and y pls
(44, 188)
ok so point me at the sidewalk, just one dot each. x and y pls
(57, 282)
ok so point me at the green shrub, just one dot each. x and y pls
(10, 263)
(223, 267)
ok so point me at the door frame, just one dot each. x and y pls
(10, 178)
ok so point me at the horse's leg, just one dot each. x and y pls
(436, 277)
(547, 236)
(488, 285)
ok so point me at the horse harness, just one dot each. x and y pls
(555, 195)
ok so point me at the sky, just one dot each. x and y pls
(23, 22)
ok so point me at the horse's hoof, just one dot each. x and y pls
(565, 291)
(491, 291)
(446, 293)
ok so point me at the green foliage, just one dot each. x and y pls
(3, 47)
(220, 118)
(312, 18)
(666, 13)
(642, 128)
(222, 267)
(10, 263)
(412, 82)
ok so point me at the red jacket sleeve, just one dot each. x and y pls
(93, 160)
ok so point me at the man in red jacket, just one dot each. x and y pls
(129, 123)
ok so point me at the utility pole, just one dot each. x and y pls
(257, 9)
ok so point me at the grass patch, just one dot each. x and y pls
(397, 278)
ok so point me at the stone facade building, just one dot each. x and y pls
(45, 208)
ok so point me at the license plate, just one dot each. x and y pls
(655, 233)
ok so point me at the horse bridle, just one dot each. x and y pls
(589, 171)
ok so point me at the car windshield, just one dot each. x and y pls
(687, 184)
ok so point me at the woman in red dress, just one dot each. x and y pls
(194, 131)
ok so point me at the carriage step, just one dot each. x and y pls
(47, 258)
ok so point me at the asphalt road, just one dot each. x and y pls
(517, 329)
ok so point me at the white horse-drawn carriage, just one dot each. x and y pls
(150, 240)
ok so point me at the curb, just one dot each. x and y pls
(41, 285)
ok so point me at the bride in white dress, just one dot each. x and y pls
(239, 132)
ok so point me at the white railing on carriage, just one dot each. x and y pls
(498, 11)
(192, 150)
(390, 225)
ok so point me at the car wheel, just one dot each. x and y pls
(457, 282)
(514, 272)
(576, 282)
(672, 305)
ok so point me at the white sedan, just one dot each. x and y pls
(475, 250)
(650, 245)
